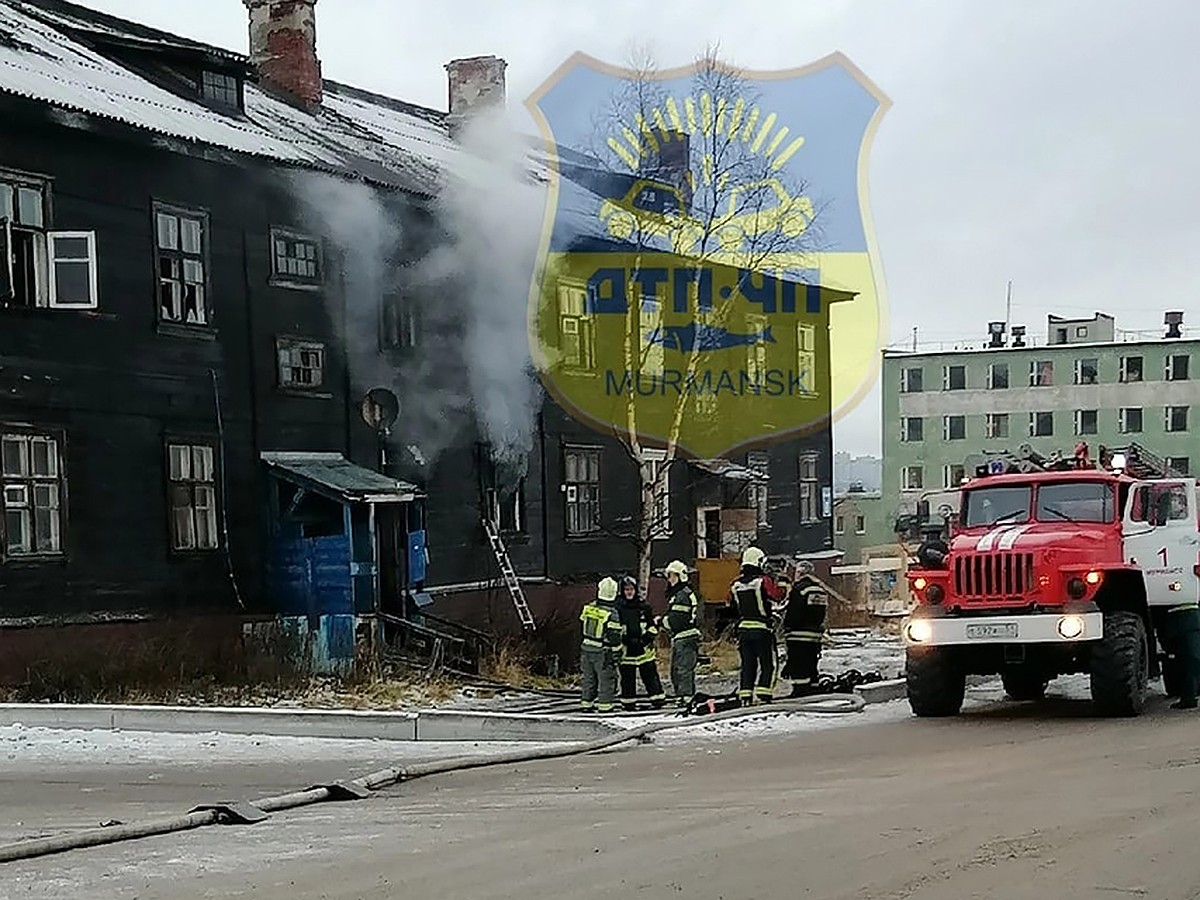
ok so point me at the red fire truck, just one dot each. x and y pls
(1054, 566)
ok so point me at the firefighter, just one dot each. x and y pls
(751, 598)
(640, 634)
(1185, 633)
(804, 629)
(682, 623)
(603, 642)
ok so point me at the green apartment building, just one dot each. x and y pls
(1082, 383)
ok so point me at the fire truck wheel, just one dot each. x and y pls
(1023, 684)
(1120, 666)
(935, 686)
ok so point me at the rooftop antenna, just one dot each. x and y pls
(1008, 307)
(914, 339)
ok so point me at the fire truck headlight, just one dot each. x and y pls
(918, 631)
(919, 584)
(1092, 577)
(1076, 588)
(1070, 627)
(934, 593)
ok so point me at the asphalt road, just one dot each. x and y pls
(1011, 802)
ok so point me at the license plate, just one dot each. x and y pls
(1000, 630)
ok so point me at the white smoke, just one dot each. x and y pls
(471, 280)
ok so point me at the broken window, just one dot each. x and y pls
(506, 507)
(39, 267)
(576, 328)
(301, 363)
(581, 489)
(193, 499)
(295, 259)
(180, 239)
(809, 491)
(30, 466)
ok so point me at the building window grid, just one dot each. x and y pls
(31, 474)
(1041, 373)
(1086, 421)
(997, 377)
(295, 258)
(581, 482)
(953, 475)
(1087, 371)
(1129, 420)
(180, 238)
(954, 378)
(996, 425)
(839, 524)
(912, 381)
(912, 429)
(1131, 369)
(576, 328)
(221, 88)
(809, 488)
(1175, 418)
(1175, 368)
(192, 476)
(912, 478)
(759, 462)
(1041, 424)
(301, 363)
(954, 428)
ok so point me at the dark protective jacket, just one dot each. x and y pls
(602, 628)
(637, 618)
(804, 618)
(750, 598)
(683, 612)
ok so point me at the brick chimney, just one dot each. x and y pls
(475, 84)
(283, 47)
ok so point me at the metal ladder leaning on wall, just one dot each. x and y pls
(515, 591)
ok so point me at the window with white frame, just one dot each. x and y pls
(954, 378)
(954, 428)
(756, 353)
(1129, 420)
(193, 487)
(1041, 373)
(1176, 367)
(806, 358)
(1131, 369)
(40, 268)
(1086, 421)
(33, 488)
(839, 524)
(759, 462)
(952, 476)
(400, 325)
(1175, 418)
(912, 429)
(660, 522)
(1041, 424)
(581, 490)
(996, 425)
(998, 377)
(181, 264)
(295, 259)
(912, 478)
(301, 363)
(576, 328)
(506, 507)
(1087, 371)
(912, 380)
(860, 524)
(810, 492)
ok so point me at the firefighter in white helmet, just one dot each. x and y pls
(682, 622)
(751, 598)
(600, 654)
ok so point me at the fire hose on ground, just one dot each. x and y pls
(250, 812)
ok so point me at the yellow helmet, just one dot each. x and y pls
(752, 556)
(677, 567)
(607, 590)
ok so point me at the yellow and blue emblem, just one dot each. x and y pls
(708, 278)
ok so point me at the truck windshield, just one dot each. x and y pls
(987, 506)
(1081, 502)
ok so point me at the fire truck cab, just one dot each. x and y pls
(1054, 567)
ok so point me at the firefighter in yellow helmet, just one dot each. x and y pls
(603, 641)
(682, 622)
(751, 598)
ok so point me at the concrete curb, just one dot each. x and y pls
(882, 691)
(426, 725)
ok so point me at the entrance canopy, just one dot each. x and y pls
(724, 468)
(335, 477)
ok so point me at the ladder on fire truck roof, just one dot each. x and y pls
(515, 591)
(1139, 462)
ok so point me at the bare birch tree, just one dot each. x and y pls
(720, 159)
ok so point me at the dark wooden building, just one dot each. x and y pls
(182, 363)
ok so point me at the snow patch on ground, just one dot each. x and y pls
(117, 748)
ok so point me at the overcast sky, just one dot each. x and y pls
(1051, 142)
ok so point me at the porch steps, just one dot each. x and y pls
(515, 591)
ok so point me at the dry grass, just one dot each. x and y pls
(723, 654)
(511, 665)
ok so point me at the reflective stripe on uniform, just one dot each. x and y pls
(803, 636)
(691, 632)
(753, 625)
(641, 659)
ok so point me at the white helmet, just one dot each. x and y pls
(607, 590)
(677, 567)
(752, 556)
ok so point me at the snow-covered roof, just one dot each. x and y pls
(355, 133)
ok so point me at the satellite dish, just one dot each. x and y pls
(380, 409)
(945, 510)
